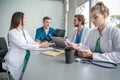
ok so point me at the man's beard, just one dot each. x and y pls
(76, 25)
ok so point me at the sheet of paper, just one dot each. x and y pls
(44, 49)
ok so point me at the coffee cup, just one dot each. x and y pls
(69, 55)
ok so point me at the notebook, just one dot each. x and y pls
(59, 42)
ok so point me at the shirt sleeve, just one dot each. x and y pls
(20, 41)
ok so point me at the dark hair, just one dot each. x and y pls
(101, 7)
(80, 17)
(46, 18)
(16, 18)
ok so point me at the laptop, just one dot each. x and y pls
(59, 42)
(59, 33)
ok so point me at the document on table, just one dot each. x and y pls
(44, 49)
(53, 53)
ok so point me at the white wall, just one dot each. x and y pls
(34, 10)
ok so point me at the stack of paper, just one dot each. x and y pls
(54, 52)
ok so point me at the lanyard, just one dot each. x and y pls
(27, 56)
(23, 34)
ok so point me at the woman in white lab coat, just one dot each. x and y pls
(20, 43)
(103, 41)
(80, 32)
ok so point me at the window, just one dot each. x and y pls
(113, 6)
(84, 9)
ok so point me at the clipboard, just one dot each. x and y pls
(53, 53)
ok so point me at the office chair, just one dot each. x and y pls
(3, 51)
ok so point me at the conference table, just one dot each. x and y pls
(43, 67)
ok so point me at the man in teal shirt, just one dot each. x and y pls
(45, 32)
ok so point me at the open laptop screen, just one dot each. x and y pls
(59, 33)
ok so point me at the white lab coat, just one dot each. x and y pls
(17, 51)
(84, 35)
(109, 43)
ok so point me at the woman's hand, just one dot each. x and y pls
(86, 53)
(44, 44)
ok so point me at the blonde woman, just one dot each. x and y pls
(104, 40)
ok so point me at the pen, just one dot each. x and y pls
(56, 50)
